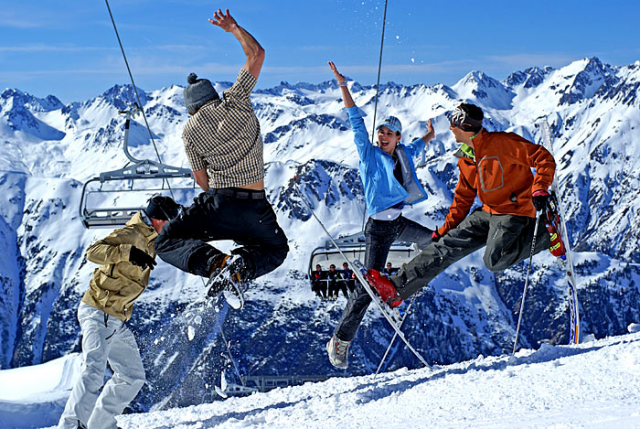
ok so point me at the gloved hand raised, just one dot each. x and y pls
(540, 199)
(141, 259)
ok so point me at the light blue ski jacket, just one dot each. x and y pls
(381, 189)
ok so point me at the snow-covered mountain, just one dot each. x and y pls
(50, 149)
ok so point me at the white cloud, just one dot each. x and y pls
(523, 60)
(12, 22)
(52, 48)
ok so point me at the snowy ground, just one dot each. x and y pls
(595, 385)
(35, 396)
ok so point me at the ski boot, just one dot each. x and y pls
(384, 287)
(226, 277)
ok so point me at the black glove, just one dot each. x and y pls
(540, 199)
(435, 236)
(141, 259)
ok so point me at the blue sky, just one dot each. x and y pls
(69, 48)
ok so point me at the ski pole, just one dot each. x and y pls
(233, 361)
(395, 335)
(526, 282)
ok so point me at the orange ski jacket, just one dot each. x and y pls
(500, 175)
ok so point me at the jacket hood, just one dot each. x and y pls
(147, 230)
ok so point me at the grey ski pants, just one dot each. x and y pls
(105, 339)
(507, 239)
(379, 236)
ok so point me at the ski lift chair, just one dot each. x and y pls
(134, 184)
(353, 247)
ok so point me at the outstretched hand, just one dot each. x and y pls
(335, 71)
(342, 83)
(430, 132)
(223, 20)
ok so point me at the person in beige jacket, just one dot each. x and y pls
(125, 258)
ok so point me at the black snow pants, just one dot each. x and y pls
(379, 236)
(243, 216)
(507, 239)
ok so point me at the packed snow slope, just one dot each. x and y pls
(592, 385)
(49, 150)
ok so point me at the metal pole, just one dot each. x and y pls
(526, 283)
(375, 108)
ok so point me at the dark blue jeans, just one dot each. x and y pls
(379, 236)
(214, 215)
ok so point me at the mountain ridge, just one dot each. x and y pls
(464, 312)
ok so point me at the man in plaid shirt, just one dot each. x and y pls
(224, 148)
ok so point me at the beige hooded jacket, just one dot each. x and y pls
(117, 283)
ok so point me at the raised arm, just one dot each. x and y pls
(252, 49)
(418, 145)
(342, 83)
(430, 133)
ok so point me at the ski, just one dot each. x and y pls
(555, 219)
(386, 353)
(222, 389)
(392, 315)
(223, 282)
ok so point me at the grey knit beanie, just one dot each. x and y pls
(198, 93)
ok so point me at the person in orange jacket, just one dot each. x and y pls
(495, 167)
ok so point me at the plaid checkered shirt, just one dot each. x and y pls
(224, 137)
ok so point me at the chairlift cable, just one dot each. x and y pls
(144, 115)
(135, 89)
(375, 107)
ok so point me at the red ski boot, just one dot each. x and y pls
(384, 287)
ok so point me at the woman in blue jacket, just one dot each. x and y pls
(390, 182)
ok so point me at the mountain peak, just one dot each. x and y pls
(474, 76)
(122, 94)
(30, 102)
(484, 88)
(528, 78)
(586, 77)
